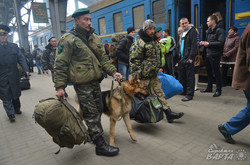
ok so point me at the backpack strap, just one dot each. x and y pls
(77, 117)
(72, 31)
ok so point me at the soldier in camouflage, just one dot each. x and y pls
(80, 60)
(48, 57)
(145, 61)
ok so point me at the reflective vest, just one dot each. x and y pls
(168, 44)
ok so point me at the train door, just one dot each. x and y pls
(202, 9)
(183, 9)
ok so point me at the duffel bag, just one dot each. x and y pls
(170, 85)
(61, 121)
(24, 83)
(149, 110)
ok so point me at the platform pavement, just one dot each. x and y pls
(186, 141)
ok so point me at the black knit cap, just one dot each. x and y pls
(130, 29)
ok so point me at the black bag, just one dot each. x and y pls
(24, 82)
(149, 110)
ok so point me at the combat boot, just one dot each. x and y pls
(171, 116)
(102, 148)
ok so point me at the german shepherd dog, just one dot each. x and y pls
(117, 104)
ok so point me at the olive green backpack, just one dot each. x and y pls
(61, 121)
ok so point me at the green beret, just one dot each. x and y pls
(4, 29)
(51, 38)
(80, 12)
(157, 29)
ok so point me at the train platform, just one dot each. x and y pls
(192, 140)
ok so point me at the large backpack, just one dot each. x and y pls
(61, 121)
(115, 42)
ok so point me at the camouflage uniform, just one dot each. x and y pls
(48, 59)
(145, 61)
(75, 63)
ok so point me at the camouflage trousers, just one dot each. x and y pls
(155, 88)
(90, 100)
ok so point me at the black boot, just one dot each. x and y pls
(102, 148)
(172, 115)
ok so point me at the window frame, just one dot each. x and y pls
(115, 22)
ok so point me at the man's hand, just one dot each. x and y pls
(46, 71)
(206, 44)
(117, 76)
(28, 74)
(60, 93)
(190, 60)
(202, 42)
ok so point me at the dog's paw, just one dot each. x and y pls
(133, 138)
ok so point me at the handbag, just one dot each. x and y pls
(170, 85)
(149, 110)
(198, 60)
(24, 82)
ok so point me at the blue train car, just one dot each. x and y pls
(111, 17)
(116, 18)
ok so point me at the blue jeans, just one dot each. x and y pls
(9, 108)
(124, 70)
(241, 120)
(39, 66)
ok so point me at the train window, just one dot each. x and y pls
(46, 40)
(138, 16)
(102, 26)
(41, 41)
(118, 23)
(159, 11)
(37, 43)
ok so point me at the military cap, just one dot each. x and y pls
(80, 12)
(157, 29)
(148, 24)
(4, 29)
(51, 38)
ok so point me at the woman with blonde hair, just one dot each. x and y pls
(220, 23)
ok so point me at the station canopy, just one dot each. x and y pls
(7, 8)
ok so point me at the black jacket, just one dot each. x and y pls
(190, 45)
(122, 50)
(216, 39)
(10, 55)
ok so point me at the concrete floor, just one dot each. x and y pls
(186, 141)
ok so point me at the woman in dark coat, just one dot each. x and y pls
(229, 52)
(10, 90)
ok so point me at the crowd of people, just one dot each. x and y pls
(143, 57)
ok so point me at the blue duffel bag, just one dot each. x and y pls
(170, 85)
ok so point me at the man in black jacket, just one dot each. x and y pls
(122, 52)
(10, 90)
(188, 51)
(215, 38)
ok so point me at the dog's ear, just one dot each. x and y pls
(134, 79)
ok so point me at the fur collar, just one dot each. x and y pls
(144, 36)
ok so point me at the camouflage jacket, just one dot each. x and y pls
(145, 56)
(48, 58)
(76, 63)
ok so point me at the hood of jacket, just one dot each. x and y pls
(233, 35)
(144, 36)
